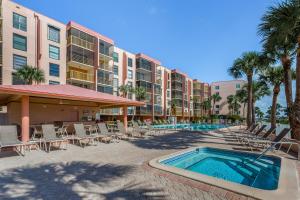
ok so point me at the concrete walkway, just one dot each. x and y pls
(106, 171)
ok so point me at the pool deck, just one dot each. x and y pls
(112, 171)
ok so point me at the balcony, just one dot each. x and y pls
(80, 76)
(80, 42)
(106, 66)
(105, 81)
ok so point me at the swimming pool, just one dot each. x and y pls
(238, 167)
(198, 127)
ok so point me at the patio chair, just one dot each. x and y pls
(81, 135)
(105, 135)
(138, 130)
(250, 131)
(122, 129)
(9, 138)
(275, 143)
(50, 137)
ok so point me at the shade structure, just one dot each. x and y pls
(71, 94)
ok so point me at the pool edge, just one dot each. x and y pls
(287, 185)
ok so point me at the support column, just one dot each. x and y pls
(125, 117)
(25, 118)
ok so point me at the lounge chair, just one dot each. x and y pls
(275, 143)
(81, 135)
(105, 135)
(258, 136)
(50, 137)
(255, 134)
(9, 138)
(245, 132)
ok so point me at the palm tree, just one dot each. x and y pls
(233, 104)
(274, 76)
(206, 104)
(280, 35)
(242, 98)
(30, 75)
(215, 98)
(259, 114)
(140, 94)
(125, 89)
(247, 65)
(260, 89)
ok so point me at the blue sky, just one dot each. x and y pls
(199, 37)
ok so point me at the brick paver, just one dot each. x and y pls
(107, 171)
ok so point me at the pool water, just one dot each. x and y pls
(200, 127)
(238, 167)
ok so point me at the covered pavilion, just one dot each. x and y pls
(37, 104)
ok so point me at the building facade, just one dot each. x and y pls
(29, 38)
(76, 55)
(224, 89)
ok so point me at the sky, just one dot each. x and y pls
(199, 37)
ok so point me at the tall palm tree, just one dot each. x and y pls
(206, 104)
(140, 94)
(247, 65)
(274, 76)
(30, 75)
(260, 89)
(215, 98)
(280, 35)
(242, 98)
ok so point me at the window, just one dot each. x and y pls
(237, 86)
(53, 69)
(116, 83)
(53, 34)
(130, 75)
(129, 95)
(129, 62)
(54, 52)
(218, 106)
(217, 87)
(19, 42)
(115, 57)
(129, 83)
(217, 93)
(116, 70)
(19, 61)
(53, 82)
(217, 112)
(19, 22)
(16, 80)
(168, 93)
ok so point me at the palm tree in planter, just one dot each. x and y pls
(242, 98)
(280, 33)
(30, 75)
(215, 98)
(140, 94)
(274, 76)
(247, 65)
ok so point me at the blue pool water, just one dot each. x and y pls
(238, 167)
(200, 127)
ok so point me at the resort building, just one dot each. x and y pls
(30, 38)
(182, 93)
(75, 55)
(224, 89)
(201, 93)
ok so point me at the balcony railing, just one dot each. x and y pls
(80, 76)
(80, 42)
(106, 66)
(105, 81)
(82, 59)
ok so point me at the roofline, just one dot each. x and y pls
(122, 101)
(179, 72)
(89, 31)
(144, 56)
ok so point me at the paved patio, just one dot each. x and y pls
(107, 171)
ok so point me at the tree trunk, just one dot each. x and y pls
(253, 111)
(296, 131)
(286, 63)
(249, 103)
(276, 91)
